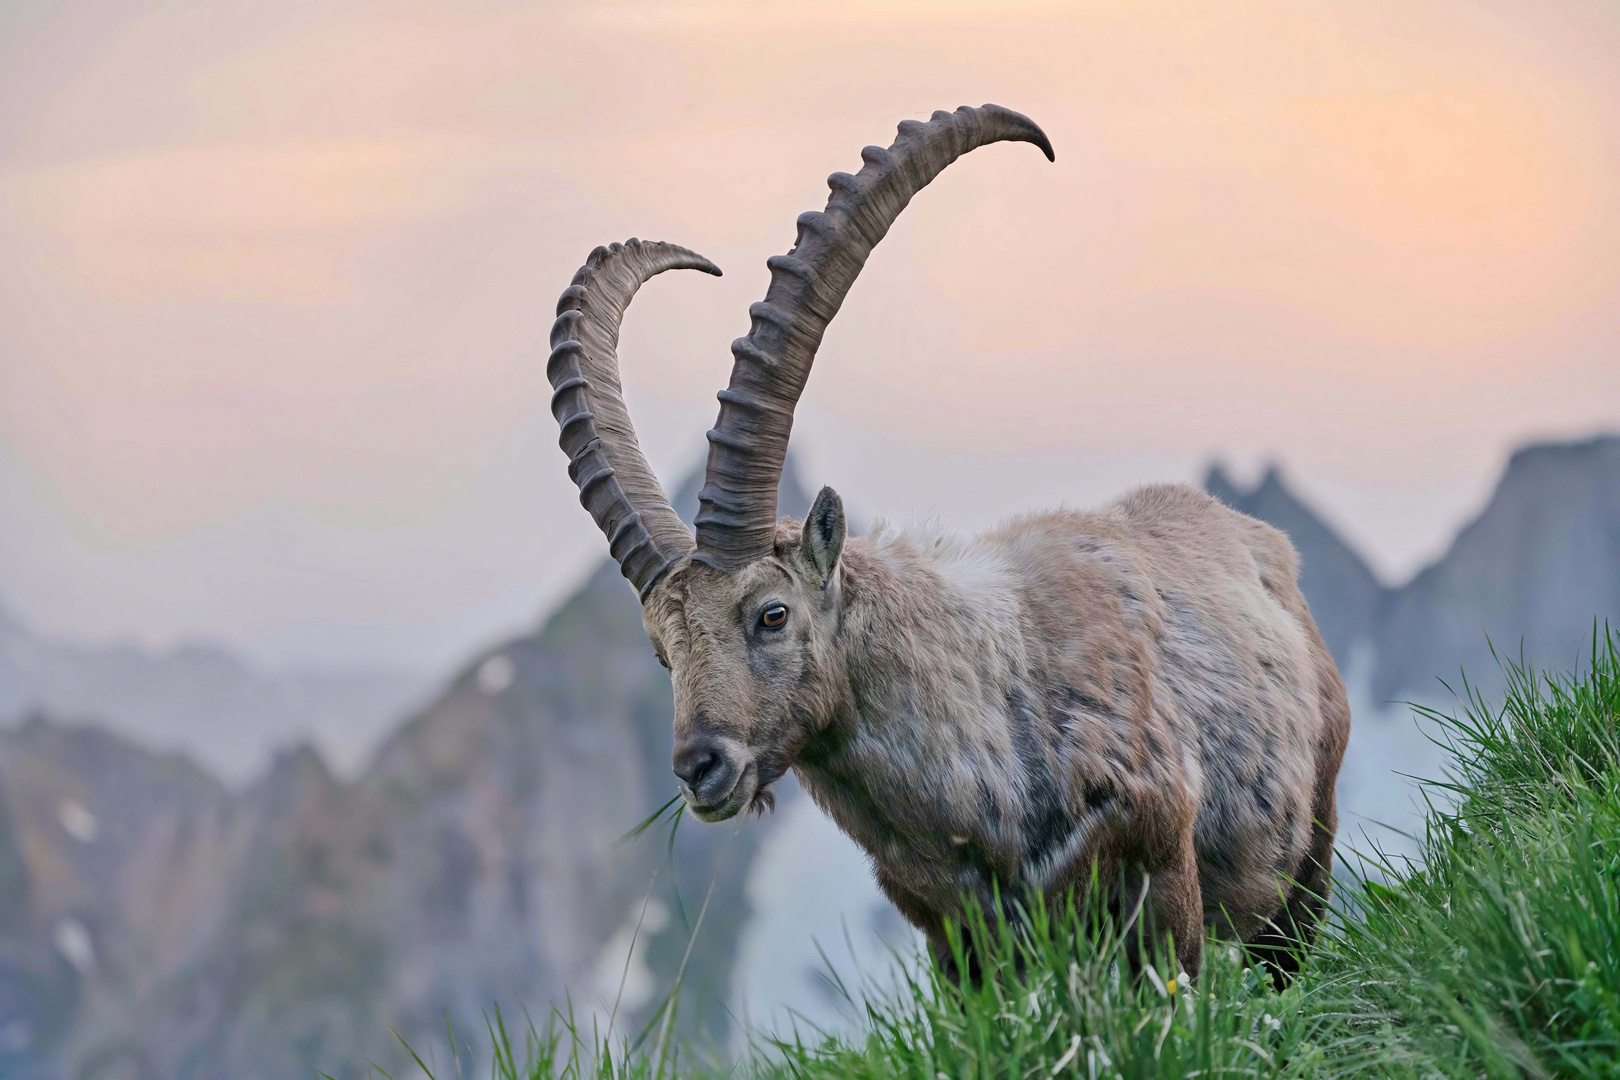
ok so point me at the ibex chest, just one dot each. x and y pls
(971, 802)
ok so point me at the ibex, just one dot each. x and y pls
(1139, 688)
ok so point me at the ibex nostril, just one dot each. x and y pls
(708, 770)
(693, 763)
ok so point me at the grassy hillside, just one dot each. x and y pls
(1496, 953)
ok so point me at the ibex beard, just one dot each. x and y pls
(1132, 695)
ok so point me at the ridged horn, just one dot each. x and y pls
(736, 523)
(644, 533)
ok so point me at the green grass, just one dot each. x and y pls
(1495, 952)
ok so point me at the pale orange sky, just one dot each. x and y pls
(272, 317)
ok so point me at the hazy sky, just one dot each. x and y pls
(277, 277)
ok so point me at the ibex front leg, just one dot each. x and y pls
(1175, 909)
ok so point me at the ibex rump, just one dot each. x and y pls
(1139, 688)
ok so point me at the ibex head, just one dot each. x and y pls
(751, 655)
(745, 614)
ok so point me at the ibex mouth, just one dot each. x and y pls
(751, 792)
(743, 793)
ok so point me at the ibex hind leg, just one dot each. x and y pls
(1281, 946)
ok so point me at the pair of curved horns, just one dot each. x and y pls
(736, 522)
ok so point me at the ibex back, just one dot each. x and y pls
(1137, 691)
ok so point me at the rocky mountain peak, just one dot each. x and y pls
(1531, 573)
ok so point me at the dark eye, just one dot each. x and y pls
(773, 617)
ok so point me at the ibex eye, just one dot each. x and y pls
(773, 617)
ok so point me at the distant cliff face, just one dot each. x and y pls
(36, 988)
(122, 855)
(160, 925)
(1534, 570)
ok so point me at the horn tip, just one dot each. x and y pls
(691, 260)
(1026, 129)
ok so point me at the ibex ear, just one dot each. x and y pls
(824, 533)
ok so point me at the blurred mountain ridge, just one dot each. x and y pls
(202, 698)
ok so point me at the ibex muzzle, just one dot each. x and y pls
(1139, 690)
